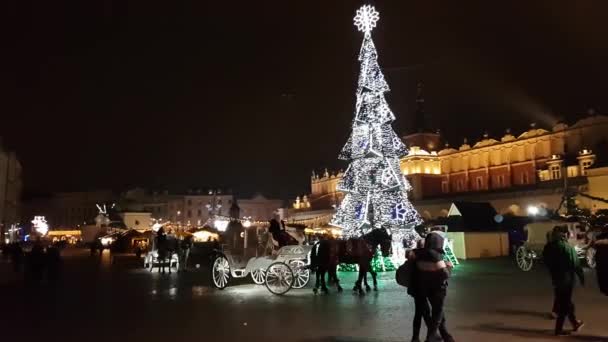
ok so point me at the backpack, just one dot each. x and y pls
(404, 273)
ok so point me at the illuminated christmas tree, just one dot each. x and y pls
(375, 189)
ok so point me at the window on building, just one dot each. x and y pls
(189, 202)
(444, 187)
(459, 185)
(479, 182)
(500, 181)
(585, 165)
(556, 172)
(189, 213)
(199, 213)
(525, 178)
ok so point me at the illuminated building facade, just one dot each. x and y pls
(511, 172)
(534, 156)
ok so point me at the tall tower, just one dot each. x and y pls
(423, 135)
(421, 120)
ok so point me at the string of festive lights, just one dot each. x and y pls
(375, 189)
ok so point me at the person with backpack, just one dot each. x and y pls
(427, 283)
(564, 266)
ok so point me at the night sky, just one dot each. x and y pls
(253, 95)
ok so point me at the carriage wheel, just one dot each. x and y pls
(300, 273)
(524, 259)
(279, 278)
(220, 272)
(590, 257)
(258, 276)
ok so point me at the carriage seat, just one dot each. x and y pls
(300, 238)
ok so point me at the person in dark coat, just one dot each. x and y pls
(601, 261)
(16, 256)
(430, 287)
(36, 264)
(553, 315)
(187, 246)
(53, 264)
(421, 305)
(162, 249)
(563, 264)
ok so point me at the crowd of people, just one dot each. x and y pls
(426, 275)
(39, 264)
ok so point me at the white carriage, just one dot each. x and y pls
(280, 273)
(537, 237)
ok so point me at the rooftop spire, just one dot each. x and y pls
(422, 120)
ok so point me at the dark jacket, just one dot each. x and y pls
(601, 262)
(562, 262)
(431, 273)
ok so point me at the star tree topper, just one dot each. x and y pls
(366, 18)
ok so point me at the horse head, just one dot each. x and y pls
(382, 237)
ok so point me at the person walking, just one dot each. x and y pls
(430, 282)
(36, 263)
(162, 250)
(553, 315)
(421, 305)
(186, 245)
(16, 256)
(53, 264)
(563, 264)
(601, 261)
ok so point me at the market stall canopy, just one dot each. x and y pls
(472, 216)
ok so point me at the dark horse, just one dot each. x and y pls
(327, 254)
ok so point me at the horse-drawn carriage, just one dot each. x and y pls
(281, 268)
(538, 234)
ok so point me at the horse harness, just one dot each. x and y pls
(351, 244)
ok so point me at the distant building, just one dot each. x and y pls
(195, 207)
(534, 156)
(259, 208)
(11, 186)
(68, 210)
(511, 173)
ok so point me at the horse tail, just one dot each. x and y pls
(314, 256)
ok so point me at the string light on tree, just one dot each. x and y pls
(375, 189)
(40, 225)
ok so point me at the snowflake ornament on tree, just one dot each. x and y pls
(366, 18)
(375, 189)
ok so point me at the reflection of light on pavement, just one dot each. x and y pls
(105, 259)
(200, 291)
(173, 292)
